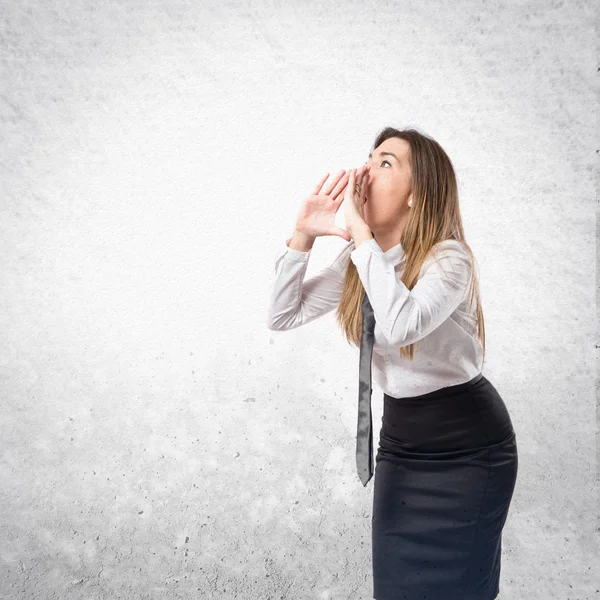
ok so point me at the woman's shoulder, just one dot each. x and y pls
(451, 243)
(448, 251)
(451, 247)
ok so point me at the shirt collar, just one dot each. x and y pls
(394, 254)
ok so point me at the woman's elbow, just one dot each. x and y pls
(280, 322)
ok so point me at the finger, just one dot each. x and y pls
(340, 187)
(333, 182)
(363, 179)
(352, 183)
(358, 186)
(339, 195)
(348, 185)
(317, 188)
(339, 231)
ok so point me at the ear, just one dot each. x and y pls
(410, 200)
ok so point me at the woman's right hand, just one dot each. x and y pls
(317, 214)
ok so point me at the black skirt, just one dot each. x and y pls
(445, 472)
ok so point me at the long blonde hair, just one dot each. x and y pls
(434, 217)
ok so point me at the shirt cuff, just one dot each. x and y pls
(293, 254)
(358, 255)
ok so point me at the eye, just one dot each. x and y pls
(387, 161)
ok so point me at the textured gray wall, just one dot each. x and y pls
(156, 440)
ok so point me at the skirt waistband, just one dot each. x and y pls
(466, 415)
(445, 391)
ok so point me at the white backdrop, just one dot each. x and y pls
(156, 439)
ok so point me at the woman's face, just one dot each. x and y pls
(389, 189)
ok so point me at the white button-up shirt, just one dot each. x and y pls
(434, 314)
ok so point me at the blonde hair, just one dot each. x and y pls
(434, 217)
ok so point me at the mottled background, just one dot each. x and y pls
(156, 439)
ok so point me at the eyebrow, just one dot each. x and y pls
(386, 154)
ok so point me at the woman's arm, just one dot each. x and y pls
(295, 302)
(404, 315)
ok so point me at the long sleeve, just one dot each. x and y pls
(295, 302)
(406, 316)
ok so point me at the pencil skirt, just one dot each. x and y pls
(445, 472)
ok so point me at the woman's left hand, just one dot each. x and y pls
(354, 198)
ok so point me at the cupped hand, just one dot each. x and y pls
(317, 214)
(354, 198)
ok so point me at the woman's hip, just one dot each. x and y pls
(455, 419)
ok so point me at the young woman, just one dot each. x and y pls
(446, 465)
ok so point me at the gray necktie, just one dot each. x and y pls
(364, 432)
